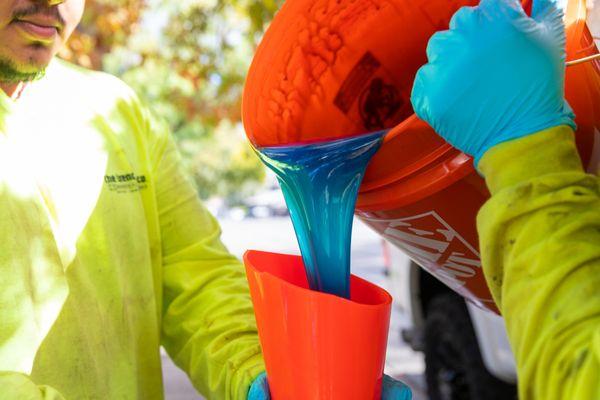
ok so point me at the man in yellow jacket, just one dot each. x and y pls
(494, 87)
(105, 251)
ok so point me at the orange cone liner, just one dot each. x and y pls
(317, 346)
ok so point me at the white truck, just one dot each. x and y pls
(467, 354)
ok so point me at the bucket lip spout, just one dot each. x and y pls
(441, 167)
(325, 140)
(378, 175)
(381, 298)
(424, 183)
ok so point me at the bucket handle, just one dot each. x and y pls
(575, 20)
(583, 60)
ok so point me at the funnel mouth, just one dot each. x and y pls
(289, 271)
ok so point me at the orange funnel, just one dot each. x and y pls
(317, 346)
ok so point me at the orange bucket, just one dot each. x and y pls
(331, 69)
(428, 208)
(428, 205)
(317, 346)
(327, 70)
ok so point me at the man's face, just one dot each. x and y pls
(32, 32)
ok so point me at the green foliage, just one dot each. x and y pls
(187, 59)
(223, 164)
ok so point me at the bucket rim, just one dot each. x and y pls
(425, 182)
(397, 132)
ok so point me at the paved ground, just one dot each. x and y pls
(277, 235)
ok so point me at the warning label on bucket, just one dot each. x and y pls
(369, 96)
(354, 84)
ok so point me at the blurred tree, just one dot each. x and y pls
(105, 24)
(188, 59)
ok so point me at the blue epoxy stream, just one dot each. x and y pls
(320, 182)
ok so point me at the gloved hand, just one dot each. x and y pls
(496, 75)
(260, 388)
(395, 390)
(392, 389)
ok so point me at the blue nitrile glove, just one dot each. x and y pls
(395, 390)
(391, 390)
(260, 388)
(496, 75)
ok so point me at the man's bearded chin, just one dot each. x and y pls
(10, 72)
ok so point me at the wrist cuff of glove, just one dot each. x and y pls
(546, 152)
(529, 128)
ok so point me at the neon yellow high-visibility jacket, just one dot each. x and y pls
(106, 253)
(540, 243)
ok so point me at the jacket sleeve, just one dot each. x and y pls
(540, 244)
(17, 386)
(208, 325)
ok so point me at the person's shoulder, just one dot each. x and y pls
(97, 94)
(96, 86)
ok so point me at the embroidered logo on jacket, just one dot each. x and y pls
(125, 183)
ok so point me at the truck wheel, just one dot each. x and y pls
(454, 369)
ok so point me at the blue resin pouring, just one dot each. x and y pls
(320, 183)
